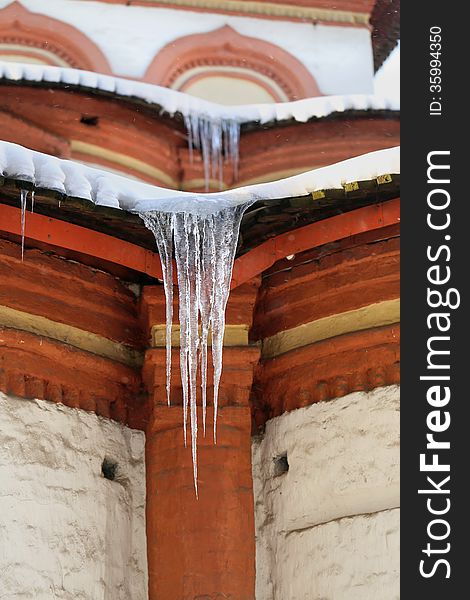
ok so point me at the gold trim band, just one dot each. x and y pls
(235, 335)
(272, 10)
(123, 160)
(374, 315)
(67, 334)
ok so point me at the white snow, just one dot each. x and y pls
(173, 102)
(107, 189)
(387, 78)
(339, 57)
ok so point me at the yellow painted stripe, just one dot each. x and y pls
(235, 335)
(374, 315)
(275, 175)
(67, 334)
(214, 184)
(123, 160)
(271, 9)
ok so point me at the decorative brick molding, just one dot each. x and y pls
(239, 311)
(32, 135)
(328, 323)
(374, 315)
(68, 293)
(326, 370)
(53, 41)
(32, 366)
(117, 136)
(69, 334)
(269, 154)
(226, 47)
(317, 286)
(239, 360)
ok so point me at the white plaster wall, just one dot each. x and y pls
(328, 528)
(339, 57)
(66, 532)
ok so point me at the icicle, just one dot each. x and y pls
(214, 139)
(23, 200)
(162, 230)
(204, 248)
(32, 201)
(189, 129)
(206, 302)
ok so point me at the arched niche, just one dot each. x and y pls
(30, 37)
(230, 68)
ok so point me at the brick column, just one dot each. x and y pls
(201, 548)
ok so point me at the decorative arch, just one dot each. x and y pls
(224, 51)
(30, 37)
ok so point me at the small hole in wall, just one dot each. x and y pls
(89, 120)
(109, 469)
(281, 464)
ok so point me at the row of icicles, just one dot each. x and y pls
(204, 248)
(218, 142)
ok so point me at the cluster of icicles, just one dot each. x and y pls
(204, 247)
(218, 142)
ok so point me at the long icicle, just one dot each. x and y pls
(162, 230)
(204, 248)
(228, 227)
(206, 299)
(23, 201)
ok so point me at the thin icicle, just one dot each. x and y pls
(32, 201)
(214, 139)
(186, 238)
(23, 201)
(162, 230)
(204, 248)
(206, 302)
(225, 247)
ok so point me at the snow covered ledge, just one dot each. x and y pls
(106, 189)
(70, 525)
(327, 525)
(173, 102)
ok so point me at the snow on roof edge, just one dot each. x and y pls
(173, 102)
(107, 189)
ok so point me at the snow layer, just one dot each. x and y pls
(339, 57)
(107, 189)
(173, 102)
